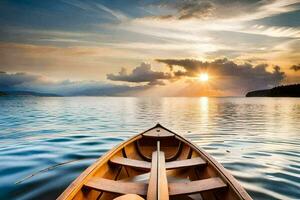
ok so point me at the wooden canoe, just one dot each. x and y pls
(157, 164)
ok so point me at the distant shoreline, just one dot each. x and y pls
(280, 91)
(27, 93)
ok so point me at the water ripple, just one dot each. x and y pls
(256, 139)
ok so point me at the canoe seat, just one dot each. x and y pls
(191, 187)
(119, 187)
(139, 164)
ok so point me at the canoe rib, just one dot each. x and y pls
(172, 158)
(198, 161)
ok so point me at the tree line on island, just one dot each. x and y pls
(279, 91)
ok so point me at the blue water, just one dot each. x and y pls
(256, 139)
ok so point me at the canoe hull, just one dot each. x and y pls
(190, 172)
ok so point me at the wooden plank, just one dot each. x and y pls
(152, 187)
(158, 183)
(185, 163)
(131, 162)
(118, 187)
(129, 197)
(147, 165)
(196, 186)
(162, 182)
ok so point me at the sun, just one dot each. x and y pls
(203, 77)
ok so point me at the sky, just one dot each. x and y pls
(148, 48)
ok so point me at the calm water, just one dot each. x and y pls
(256, 139)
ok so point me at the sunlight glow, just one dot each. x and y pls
(203, 77)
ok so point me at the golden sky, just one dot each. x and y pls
(149, 48)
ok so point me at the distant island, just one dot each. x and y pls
(27, 93)
(3, 94)
(280, 91)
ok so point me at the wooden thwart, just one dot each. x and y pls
(185, 163)
(177, 188)
(198, 161)
(118, 187)
(131, 162)
(196, 186)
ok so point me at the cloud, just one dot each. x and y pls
(66, 62)
(37, 83)
(141, 74)
(295, 67)
(226, 78)
(17, 79)
(96, 7)
(220, 9)
(187, 9)
(273, 31)
(228, 74)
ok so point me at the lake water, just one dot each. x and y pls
(256, 139)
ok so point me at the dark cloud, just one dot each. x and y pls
(191, 66)
(230, 74)
(35, 83)
(141, 74)
(186, 9)
(195, 9)
(156, 82)
(295, 67)
(199, 9)
(17, 79)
